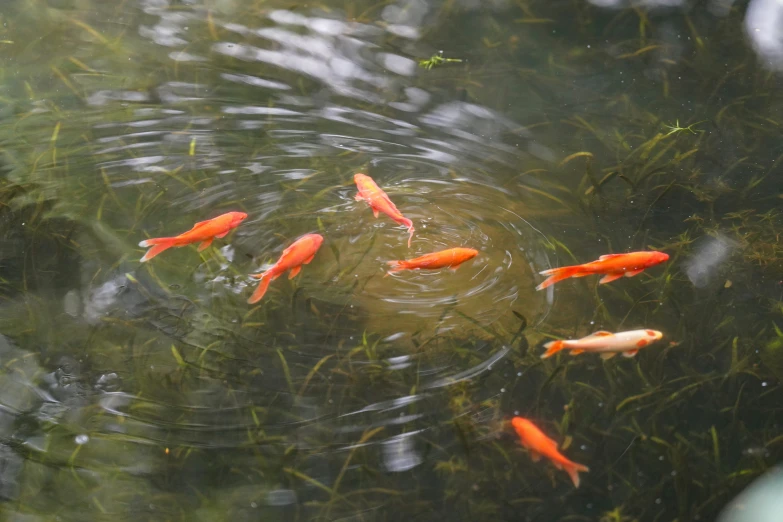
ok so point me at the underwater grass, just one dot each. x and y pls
(632, 175)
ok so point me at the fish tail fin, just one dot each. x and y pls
(408, 223)
(552, 348)
(397, 266)
(158, 244)
(260, 289)
(573, 469)
(557, 274)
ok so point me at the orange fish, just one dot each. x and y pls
(539, 445)
(380, 202)
(301, 252)
(451, 258)
(606, 343)
(204, 231)
(614, 266)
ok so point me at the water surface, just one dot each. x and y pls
(568, 130)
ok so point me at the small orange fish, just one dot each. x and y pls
(614, 266)
(539, 445)
(451, 258)
(370, 192)
(606, 343)
(204, 231)
(301, 252)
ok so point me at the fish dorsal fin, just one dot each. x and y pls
(609, 256)
(206, 222)
(599, 333)
(388, 201)
(287, 250)
(199, 225)
(550, 442)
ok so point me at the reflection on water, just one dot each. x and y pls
(759, 502)
(705, 265)
(154, 392)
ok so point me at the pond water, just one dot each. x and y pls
(541, 133)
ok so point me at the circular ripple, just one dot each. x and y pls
(448, 211)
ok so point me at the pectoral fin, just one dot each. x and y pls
(224, 234)
(294, 271)
(307, 261)
(576, 352)
(375, 212)
(632, 273)
(607, 355)
(205, 244)
(357, 197)
(630, 353)
(608, 278)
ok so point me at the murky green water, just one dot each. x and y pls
(569, 130)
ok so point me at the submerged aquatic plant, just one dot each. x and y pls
(674, 129)
(158, 392)
(436, 60)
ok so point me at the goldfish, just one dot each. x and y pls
(451, 258)
(614, 266)
(538, 445)
(370, 192)
(301, 252)
(606, 343)
(203, 231)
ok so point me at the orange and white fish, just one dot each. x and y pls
(614, 266)
(606, 343)
(451, 258)
(203, 231)
(539, 445)
(301, 252)
(370, 192)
